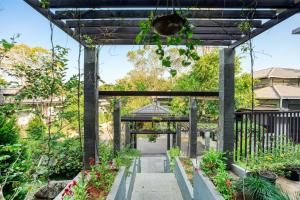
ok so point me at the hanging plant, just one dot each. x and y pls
(171, 29)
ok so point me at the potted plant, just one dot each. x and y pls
(292, 173)
(169, 29)
(268, 176)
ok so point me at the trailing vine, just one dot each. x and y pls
(187, 53)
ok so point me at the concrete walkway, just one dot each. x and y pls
(152, 183)
(156, 186)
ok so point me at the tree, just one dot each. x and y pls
(204, 76)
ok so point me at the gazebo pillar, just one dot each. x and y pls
(168, 138)
(174, 136)
(91, 119)
(178, 135)
(226, 104)
(117, 127)
(193, 129)
(127, 134)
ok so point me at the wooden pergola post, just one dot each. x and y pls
(178, 135)
(127, 134)
(226, 104)
(91, 119)
(117, 127)
(168, 138)
(193, 129)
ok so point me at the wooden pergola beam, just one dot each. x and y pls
(111, 36)
(166, 3)
(136, 30)
(269, 24)
(216, 14)
(158, 93)
(132, 42)
(136, 22)
(50, 16)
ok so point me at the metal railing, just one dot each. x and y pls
(261, 132)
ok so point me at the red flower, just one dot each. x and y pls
(91, 161)
(228, 183)
(98, 174)
(74, 182)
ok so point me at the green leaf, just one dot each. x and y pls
(181, 51)
(166, 62)
(195, 55)
(185, 63)
(173, 72)
(139, 37)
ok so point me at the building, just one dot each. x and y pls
(277, 89)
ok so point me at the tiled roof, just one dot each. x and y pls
(277, 92)
(277, 72)
(152, 109)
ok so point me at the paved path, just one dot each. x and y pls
(152, 164)
(152, 183)
(156, 186)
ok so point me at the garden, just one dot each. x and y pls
(46, 157)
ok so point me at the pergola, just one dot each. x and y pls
(115, 22)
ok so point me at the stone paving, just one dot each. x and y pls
(152, 183)
(156, 186)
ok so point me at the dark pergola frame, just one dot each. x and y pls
(115, 22)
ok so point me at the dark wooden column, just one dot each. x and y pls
(117, 127)
(226, 103)
(168, 138)
(127, 134)
(174, 136)
(91, 119)
(193, 129)
(178, 135)
(135, 141)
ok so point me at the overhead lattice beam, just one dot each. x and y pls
(103, 36)
(158, 93)
(218, 14)
(269, 24)
(135, 23)
(136, 30)
(50, 16)
(132, 42)
(166, 3)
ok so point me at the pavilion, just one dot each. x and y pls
(115, 22)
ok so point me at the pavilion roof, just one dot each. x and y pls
(117, 21)
(152, 109)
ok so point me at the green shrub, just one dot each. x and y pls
(255, 188)
(66, 159)
(36, 128)
(213, 165)
(13, 159)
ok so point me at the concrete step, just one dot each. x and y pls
(156, 186)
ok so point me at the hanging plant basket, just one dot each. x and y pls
(168, 24)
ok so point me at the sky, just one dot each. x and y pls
(276, 47)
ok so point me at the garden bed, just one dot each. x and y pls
(204, 189)
(182, 179)
(103, 182)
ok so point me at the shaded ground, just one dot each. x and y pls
(160, 146)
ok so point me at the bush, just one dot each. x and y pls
(13, 159)
(255, 188)
(66, 159)
(36, 128)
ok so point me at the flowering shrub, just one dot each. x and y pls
(75, 191)
(101, 175)
(213, 165)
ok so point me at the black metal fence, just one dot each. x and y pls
(262, 132)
